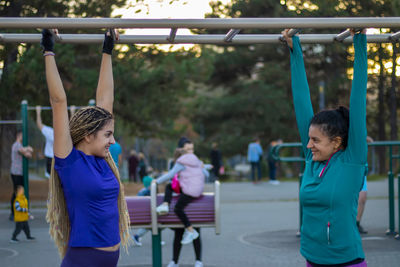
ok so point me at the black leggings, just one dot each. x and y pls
(177, 244)
(183, 201)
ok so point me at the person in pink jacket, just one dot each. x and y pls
(192, 174)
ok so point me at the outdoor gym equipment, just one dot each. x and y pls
(232, 25)
(24, 121)
(202, 212)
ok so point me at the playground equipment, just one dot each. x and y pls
(202, 212)
(25, 135)
(390, 144)
(232, 37)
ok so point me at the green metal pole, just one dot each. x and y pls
(25, 163)
(156, 245)
(398, 206)
(298, 234)
(390, 231)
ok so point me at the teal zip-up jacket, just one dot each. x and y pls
(329, 233)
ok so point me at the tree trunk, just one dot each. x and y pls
(381, 113)
(392, 97)
(392, 103)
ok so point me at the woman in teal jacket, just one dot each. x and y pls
(334, 144)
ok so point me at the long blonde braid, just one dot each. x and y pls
(84, 122)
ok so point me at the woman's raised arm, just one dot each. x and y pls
(58, 98)
(300, 90)
(357, 145)
(105, 86)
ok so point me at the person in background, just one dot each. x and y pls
(191, 173)
(145, 191)
(272, 164)
(254, 156)
(362, 199)
(17, 152)
(21, 215)
(216, 161)
(48, 134)
(116, 153)
(133, 163)
(142, 166)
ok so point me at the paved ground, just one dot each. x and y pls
(259, 227)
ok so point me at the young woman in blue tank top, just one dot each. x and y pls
(87, 209)
(335, 147)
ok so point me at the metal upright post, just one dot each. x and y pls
(391, 231)
(25, 142)
(398, 206)
(156, 248)
(298, 234)
(156, 233)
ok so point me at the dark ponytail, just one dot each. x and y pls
(333, 123)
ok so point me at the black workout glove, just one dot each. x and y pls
(108, 44)
(47, 41)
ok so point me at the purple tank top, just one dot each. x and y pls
(91, 193)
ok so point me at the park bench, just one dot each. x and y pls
(202, 212)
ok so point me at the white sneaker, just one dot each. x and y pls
(163, 209)
(173, 264)
(198, 264)
(188, 237)
(274, 182)
(136, 241)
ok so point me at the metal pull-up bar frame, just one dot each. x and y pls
(234, 25)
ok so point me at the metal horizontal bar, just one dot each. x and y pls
(208, 23)
(186, 39)
(49, 108)
(10, 121)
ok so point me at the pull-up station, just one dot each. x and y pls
(232, 37)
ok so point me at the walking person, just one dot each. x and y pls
(254, 156)
(17, 152)
(87, 209)
(48, 134)
(142, 166)
(21, 215)
(335, 147)
(133, 163)
(192, 174)
(272, 163)
(216, 161)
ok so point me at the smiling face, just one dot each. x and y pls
(188, 147)
(321, 146)
(100, 142)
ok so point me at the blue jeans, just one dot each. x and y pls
(254, 166)
(272, 170)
